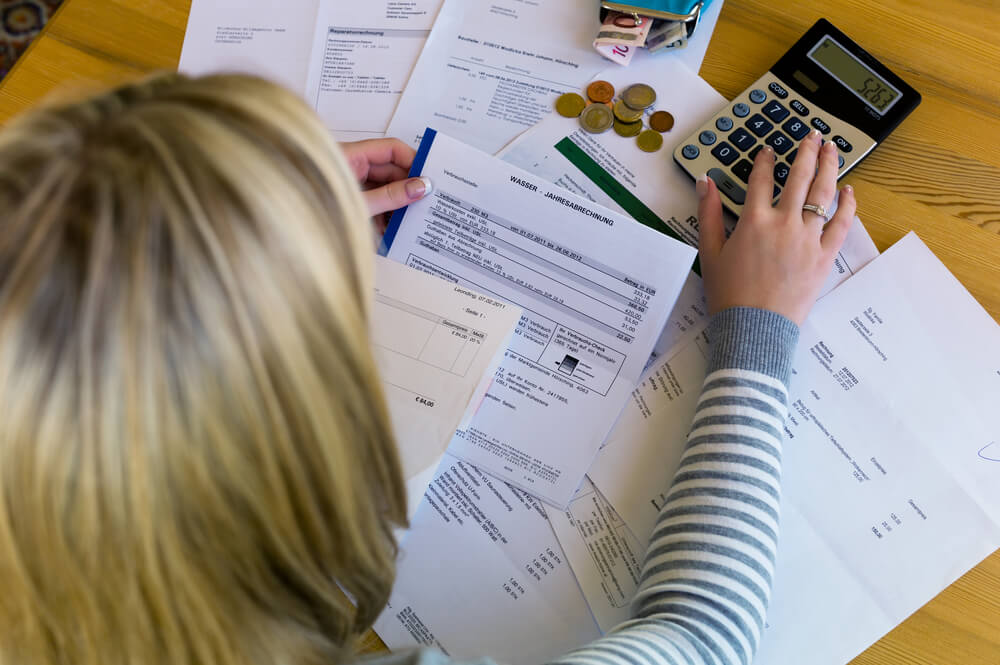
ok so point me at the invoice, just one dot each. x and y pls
(437, 346)
(595, 286)
(887, 498)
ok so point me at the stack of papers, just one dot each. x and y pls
(534, 318)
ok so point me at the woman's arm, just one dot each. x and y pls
(709, 568)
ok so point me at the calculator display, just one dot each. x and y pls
(845, 67)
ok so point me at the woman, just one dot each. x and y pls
(195, 456)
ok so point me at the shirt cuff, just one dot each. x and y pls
(757, 340)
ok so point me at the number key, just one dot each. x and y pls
(779, 142)
(759, 125)
(742, 139)
(796, 128)
(725, 153)
(742, 170)
(781, 171)
(775, 111)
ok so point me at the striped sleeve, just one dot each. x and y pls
(708, 572)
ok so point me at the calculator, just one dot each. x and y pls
(825, 82)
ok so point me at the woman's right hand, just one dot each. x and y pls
(778, 257)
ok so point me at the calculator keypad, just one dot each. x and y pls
(767, 113)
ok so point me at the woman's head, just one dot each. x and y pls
(194, 449)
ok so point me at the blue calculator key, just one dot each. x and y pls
(707, 137)
(690, 151)
(820, 125)
(724, 123)
(781, 171)
(779, 142)
(775, 111)
(842, 144)
(778, 91)
(759, 125)
(758, 96)
(799, 107)
(727, 185)
(840, 161)
(742, 139)
(742, 169)
(795, 128)
(725, 153)
(791, 156)
(741, 110)
(753, 153)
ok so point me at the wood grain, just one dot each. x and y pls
(938, 175)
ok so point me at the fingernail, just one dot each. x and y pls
(829, 146)
(849, 190)
(701, 185)
(769, 151)
(418, 188)
(814, 134)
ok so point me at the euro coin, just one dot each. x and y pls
(597, 118)
(650, 141)
(600, 92)
(639, 96)
(570, 105)
(661, 121)
(626, 114)
(628, 129)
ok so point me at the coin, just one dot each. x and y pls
(628, 129)
(596, 118)
(570, 105)
(600, 91)
(650, 141)
(626, 114)
(661, 121)
(639, 96)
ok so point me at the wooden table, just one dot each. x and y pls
(938, 174)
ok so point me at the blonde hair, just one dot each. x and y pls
(194, 446)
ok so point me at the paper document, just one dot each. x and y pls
(437, 346)
(887, 495)
(595, 286)
(362, 56)
(482, 573)
(606, 557)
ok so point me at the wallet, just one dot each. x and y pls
(688, 11)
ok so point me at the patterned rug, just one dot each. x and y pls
(20, 21)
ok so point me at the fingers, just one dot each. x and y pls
(381, 151)
(396, 195)
(383, 173)
(761, 185)
(836, 231)
(801, 176)
(711, 230)
(824, 187)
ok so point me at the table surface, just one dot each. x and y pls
(938, 174)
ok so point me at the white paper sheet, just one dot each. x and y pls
(481, 573)
(596, 288)
(606, 557)
(887, 496)
(437, 347)
(362, 56)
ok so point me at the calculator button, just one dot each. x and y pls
(758, 96)
(742, 169)
(707, 137)
(840, 161)
(690, 151)
(742, 139)
(727, 185)
(777, 190)
(791, 156)
(796, 128)
(753, 153)
(725, 153)
(778, 91)
(781, 171)
(842, 144)
(724, 123)
(759, 125)
(775, 111)
(779, 142)
(741, 110)
(799, 107)
(820, 125)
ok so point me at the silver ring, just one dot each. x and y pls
(817, 209)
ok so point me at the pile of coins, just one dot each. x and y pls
(624, 114)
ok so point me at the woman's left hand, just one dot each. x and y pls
(381, 167)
